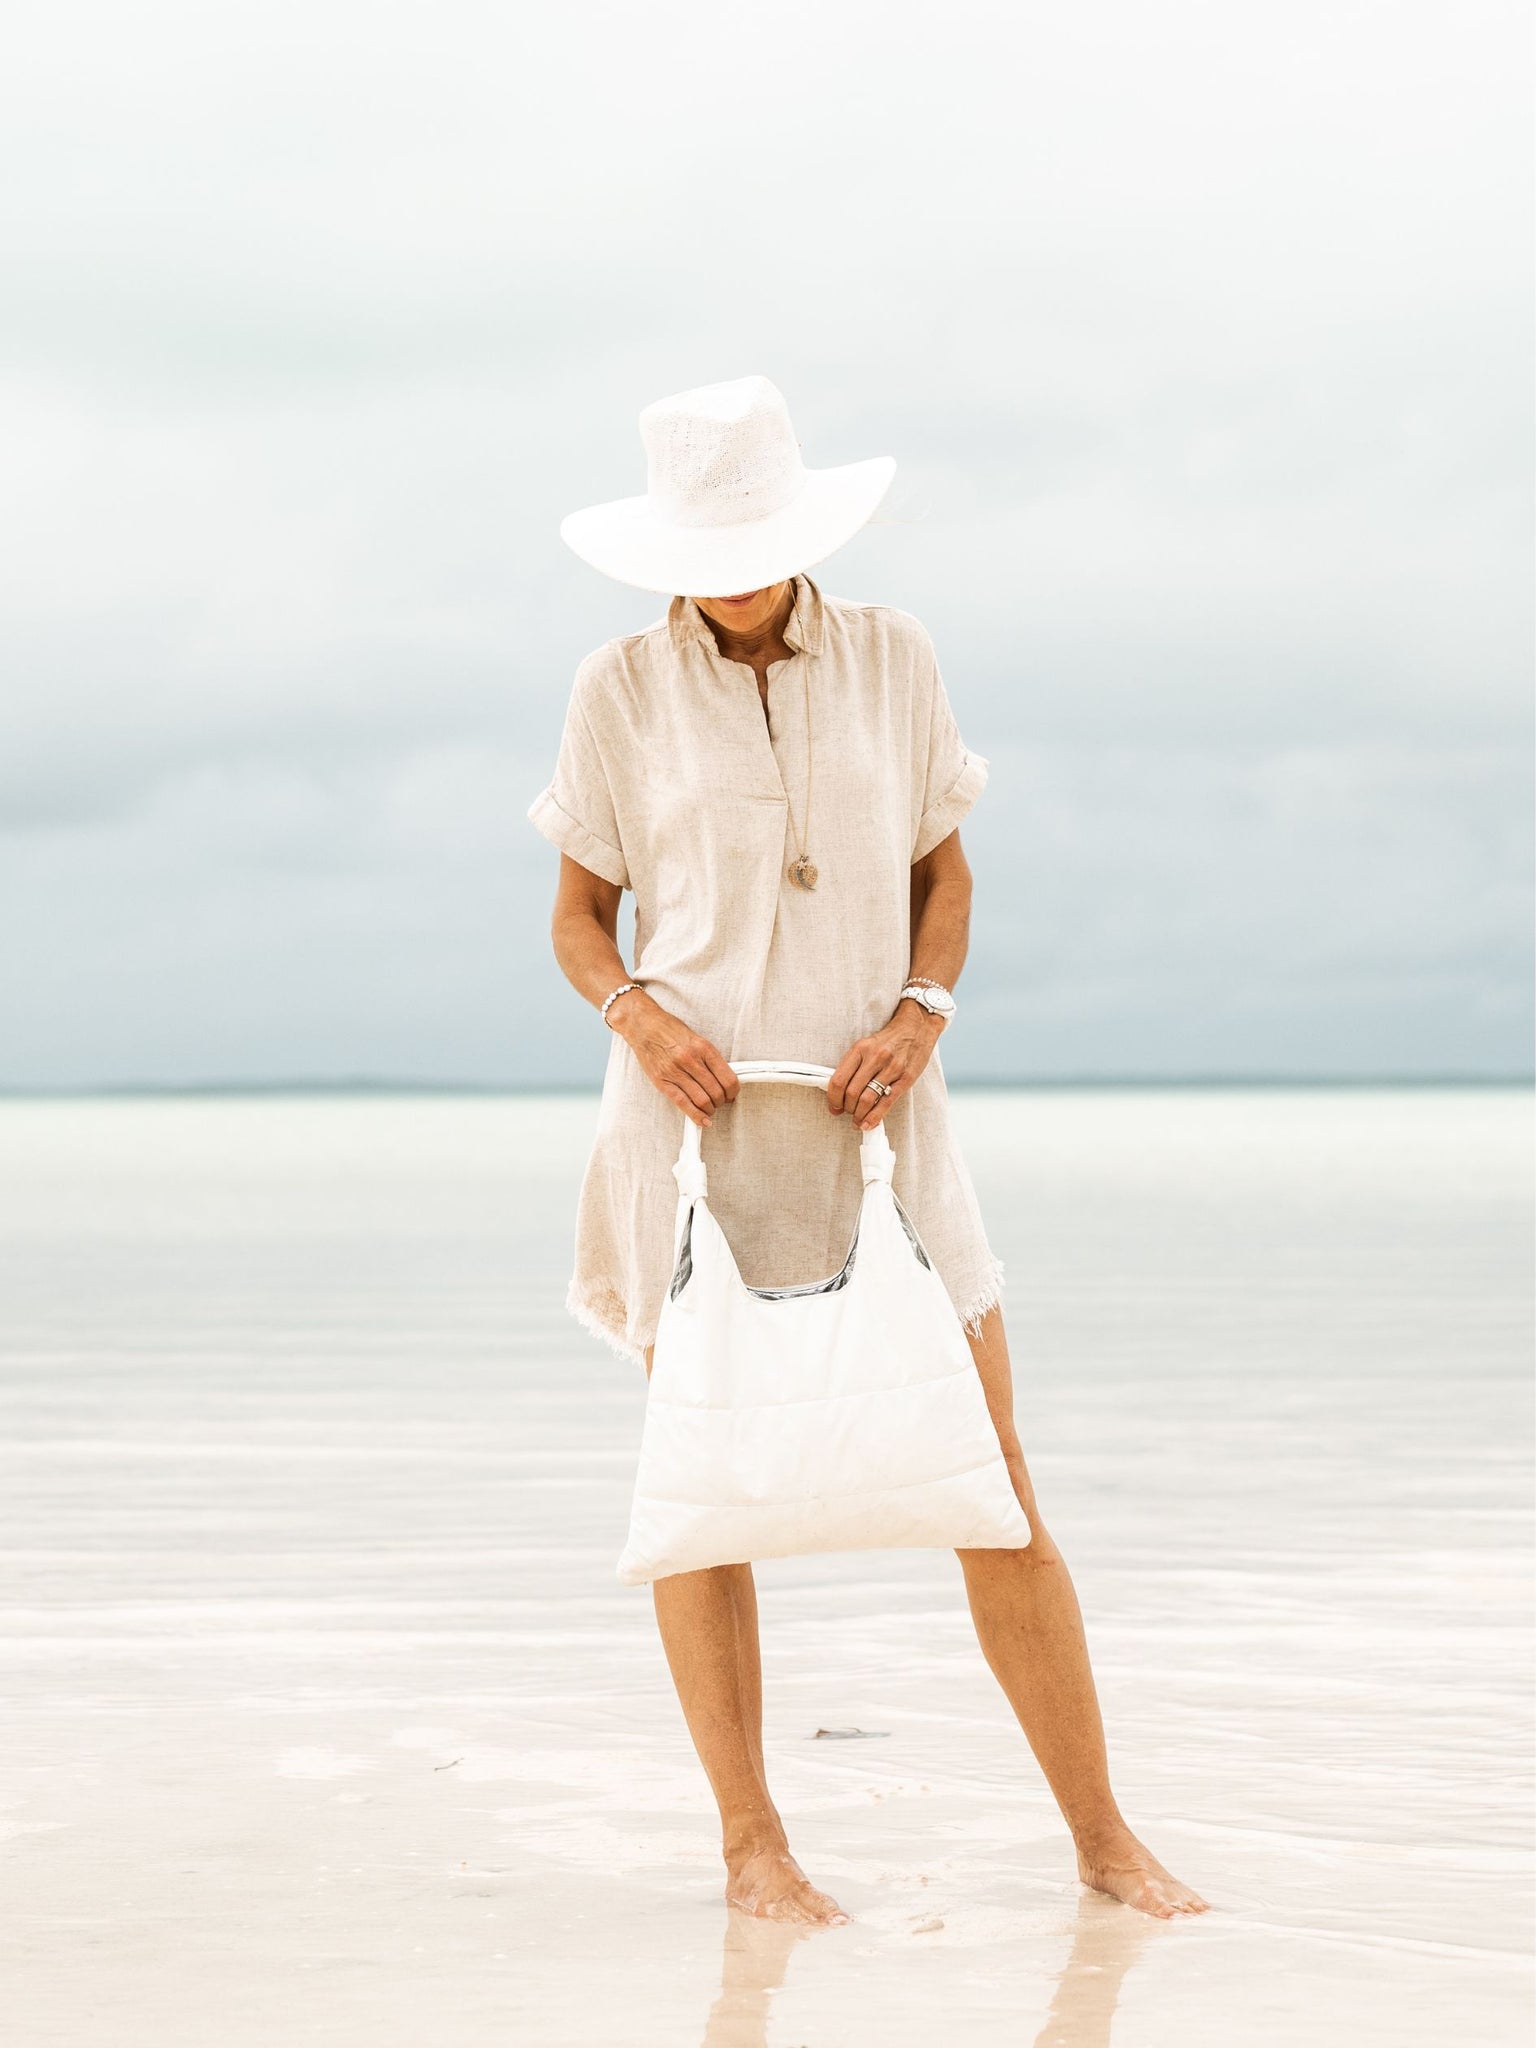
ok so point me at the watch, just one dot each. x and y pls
(937, 1001)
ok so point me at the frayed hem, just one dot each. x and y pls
(608, 1329)
(981, 1306)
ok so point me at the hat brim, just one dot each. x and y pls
(627, 540)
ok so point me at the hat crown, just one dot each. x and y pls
(721, 454)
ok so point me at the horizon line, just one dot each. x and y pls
(375, 1085)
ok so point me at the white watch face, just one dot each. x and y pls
(935, 999)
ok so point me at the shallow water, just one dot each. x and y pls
(325, 1719)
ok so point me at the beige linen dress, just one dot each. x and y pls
(670, 781)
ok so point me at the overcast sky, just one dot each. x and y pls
(1200, 332)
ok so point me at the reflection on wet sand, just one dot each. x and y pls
(752, 1966)
(1107, 1939)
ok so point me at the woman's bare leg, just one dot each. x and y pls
(708, 1623)
(1031, 1632)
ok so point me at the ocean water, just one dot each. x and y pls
(323, 1718)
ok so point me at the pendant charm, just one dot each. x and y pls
(802, 872)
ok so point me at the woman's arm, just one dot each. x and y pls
(941, 913)
(686, 1068)
(898, 1052)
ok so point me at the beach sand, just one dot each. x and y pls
(326, 1721)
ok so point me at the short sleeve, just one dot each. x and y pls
(576, 811)
(947, 777)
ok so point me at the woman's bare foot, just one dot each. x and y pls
(1121, 1866)
(762, 1878)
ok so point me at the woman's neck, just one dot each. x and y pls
(759, 642)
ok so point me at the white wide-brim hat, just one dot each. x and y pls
(730, 506)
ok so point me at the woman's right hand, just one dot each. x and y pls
(680, 1064)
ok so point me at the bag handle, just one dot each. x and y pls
(876, 1158)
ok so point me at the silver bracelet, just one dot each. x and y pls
(623, 990)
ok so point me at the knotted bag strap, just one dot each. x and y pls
(876, 1159)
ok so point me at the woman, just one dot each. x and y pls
(778, 777)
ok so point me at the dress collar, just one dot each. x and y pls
(687, 624)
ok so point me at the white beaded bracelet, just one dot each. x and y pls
(621, 991)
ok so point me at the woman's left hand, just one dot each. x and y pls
(895, 1054)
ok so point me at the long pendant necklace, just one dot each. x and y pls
(802, 870)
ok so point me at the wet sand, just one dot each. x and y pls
(324, 1718)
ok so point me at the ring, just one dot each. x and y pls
(878, 1086)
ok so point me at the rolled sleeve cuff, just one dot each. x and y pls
(945, 812)
(572, 837)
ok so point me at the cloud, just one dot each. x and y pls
(1199, 337)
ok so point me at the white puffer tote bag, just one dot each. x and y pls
(843, 1414)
